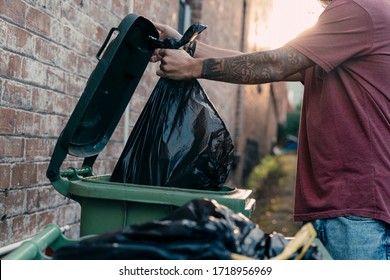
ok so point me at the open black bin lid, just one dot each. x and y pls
(107, 92)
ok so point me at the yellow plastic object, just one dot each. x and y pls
(238, 257)
(302, 239)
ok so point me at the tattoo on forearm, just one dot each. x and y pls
(255, 68)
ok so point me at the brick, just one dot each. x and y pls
(87, 27)
(34, 71)
(5, 175)
(112, 150)
(24, 174)
(65, 104)
(104, 166)
(17, 95)
(111, 165)
(56, 79)
(37, 199)
(7, 120)
(68, 214)
(2, 205)
(77, 36)
(24, 123)
(118, 134)
(92, 49)
(106, 19)
(74, 85)
(48, 125)
(45, 218)
(38, 148)
(10, 64)
(31, 225)
(77, 210)
(71, 14)
(51, 7)
(57, 30)
(36, 3)
(73, 232)
(70, 62)
(32, 201)
(15, 203)
(137, 104)
(20, 40)
(38, 21)
(143, 91)
(11, 147)
(36, 127)
(80, 3)
(22, 227)
(41, 171)
(106, 4)
(56, 199)
(46, 51)
(18, 228)
(101, 33)
(13, 10)
(84, 66)
(3, 31)
(42, 100)
(5, 234)
(120, 8)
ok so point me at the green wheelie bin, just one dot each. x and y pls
(106, 205)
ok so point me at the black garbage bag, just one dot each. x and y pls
(201, 229)
(179, 139)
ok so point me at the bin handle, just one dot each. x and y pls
(74, 173)
(32, 249)
(105, 43)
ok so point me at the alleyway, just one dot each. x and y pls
(273, 183)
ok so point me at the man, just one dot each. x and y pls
(343, 174)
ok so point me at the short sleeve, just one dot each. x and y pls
(343, 31)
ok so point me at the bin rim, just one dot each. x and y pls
(225, 189)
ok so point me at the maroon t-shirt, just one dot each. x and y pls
(344, 140)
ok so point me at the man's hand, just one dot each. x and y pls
(178, 65)
(165, 31)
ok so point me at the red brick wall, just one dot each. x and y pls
(47, 51)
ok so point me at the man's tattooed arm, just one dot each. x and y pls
(256, 68)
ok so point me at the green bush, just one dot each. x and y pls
(268, 172)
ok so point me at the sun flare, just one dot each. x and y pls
(288, 19)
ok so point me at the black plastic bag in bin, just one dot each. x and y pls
(178, 141)
(200, 229)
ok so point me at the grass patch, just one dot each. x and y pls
(273, 183)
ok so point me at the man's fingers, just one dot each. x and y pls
(162, 52)
(160, 73)
(155, 56)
